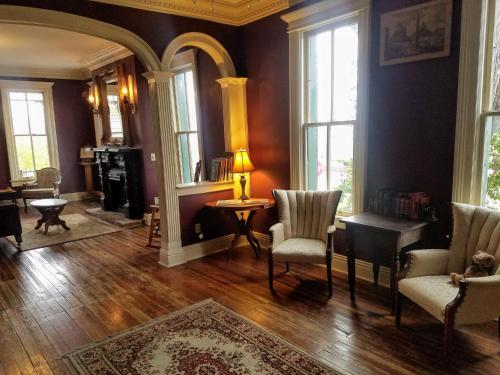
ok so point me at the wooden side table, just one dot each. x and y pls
(50, 210)
(384, 233)
(243, 227)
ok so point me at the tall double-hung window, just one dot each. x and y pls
(29, 127)
(328, 82)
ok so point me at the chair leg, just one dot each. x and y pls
(499, 326)
(270, 265)
(287, 267)
(329, 273)
(25, 205)
(449, 327)
(399, 307)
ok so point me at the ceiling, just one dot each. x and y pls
(33, 51)
(231, 12)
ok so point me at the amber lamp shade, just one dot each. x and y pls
(242, 164)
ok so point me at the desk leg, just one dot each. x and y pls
(394, 272)
(376, 264)
(351, 262)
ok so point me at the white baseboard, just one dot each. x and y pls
(197, 250)
(70, 197)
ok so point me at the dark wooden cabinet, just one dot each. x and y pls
(119, 171)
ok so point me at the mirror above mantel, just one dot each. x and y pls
(112, 98)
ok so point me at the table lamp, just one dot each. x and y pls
(242, 164)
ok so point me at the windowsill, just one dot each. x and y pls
(338, 217)
(20, 182)
(203, 187)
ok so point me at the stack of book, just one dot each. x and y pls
(411, 206)
(221, 169)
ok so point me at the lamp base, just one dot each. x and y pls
(243, 182)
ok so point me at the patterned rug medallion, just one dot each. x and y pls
(206, 339)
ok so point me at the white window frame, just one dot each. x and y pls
(473, 100)
(45, 88)
(300, 23)
(181, 63)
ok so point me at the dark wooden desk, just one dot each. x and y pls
(243, 227)
(384, 233)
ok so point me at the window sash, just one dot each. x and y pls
(28, 87)
(178, 133)
(306, 100)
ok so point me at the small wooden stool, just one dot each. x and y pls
(154, 227)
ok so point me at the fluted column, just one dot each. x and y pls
(166, 162)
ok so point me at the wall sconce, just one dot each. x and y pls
(127, 93)
(93, 99)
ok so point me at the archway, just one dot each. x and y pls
(234, 106)
(157, 80)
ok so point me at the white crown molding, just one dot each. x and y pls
(235, 13)
(75, 74)
(106, 56)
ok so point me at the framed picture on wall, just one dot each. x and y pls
(416, 33)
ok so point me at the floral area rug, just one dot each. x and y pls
(206, 339)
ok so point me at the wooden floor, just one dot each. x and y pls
(55, 299)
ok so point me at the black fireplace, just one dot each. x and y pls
(120, 180)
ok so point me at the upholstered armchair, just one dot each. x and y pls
(46, 186)
(425, 279)
(304, 233)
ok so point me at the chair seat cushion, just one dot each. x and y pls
(38, 193)
(300, 250)
(432, 293)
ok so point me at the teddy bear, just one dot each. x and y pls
(482, 264)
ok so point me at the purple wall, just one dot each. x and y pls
(73, 129)
(411, 118)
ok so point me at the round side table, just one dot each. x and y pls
(243, 227)
(50, 210)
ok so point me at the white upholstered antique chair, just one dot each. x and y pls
(425, 279)
(46, 185)
(304, 233)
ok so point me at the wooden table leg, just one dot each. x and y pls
(252, 240)
(351, 262)
(238, 230)
(376, 264)
(394, 272)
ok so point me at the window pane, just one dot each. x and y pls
(191, 101)
(194, 149)
(36, 117)
(24, 154)
(492, 163)
(317, 158)
(184, 158)
(495, 71)
(35, 96)
(320, 77)
(41, 150)
(17, 95)
(181, 101)
(341, 152)
(345, 76)
(19, 112)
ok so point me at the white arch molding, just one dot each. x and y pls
(234, 106)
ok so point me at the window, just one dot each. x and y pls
(186, 116)
(330, 109)
(328, 83)
(490, 189)
(28, 119)
(476, 176)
